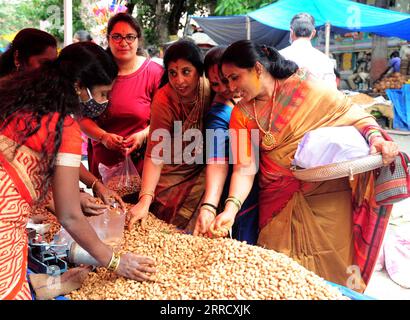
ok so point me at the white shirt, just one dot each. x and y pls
(320, 65)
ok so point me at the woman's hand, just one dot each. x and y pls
(139, 212)
(134, 142)
(388, 149)
(203, 222)
(136, 267)
(222, 224)
(89, 205)
(112, 141)
(107, 195)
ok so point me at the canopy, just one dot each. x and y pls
(269, 24)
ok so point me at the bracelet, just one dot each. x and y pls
(373, 136)
(209, 210)
(94, 182)
(149, 193)
(235, 200)
(209, 205)
(114, 262)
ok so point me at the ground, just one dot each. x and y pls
(381, 286)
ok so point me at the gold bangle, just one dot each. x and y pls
(236, 202)
(114, 262)
(93, 184)
(149, 193)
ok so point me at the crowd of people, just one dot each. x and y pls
(256, 102)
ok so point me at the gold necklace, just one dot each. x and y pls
(268, 140)
(192, 112)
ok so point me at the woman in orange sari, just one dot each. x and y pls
(332, 228)
(40, 147)
(173, 176)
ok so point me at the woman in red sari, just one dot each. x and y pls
(329, 227)
(40, 147)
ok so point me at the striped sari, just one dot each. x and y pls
(334, 228)
(181, 187)
(20, 188)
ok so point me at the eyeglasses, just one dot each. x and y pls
(117, 38)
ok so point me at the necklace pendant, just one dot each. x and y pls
(268, 142)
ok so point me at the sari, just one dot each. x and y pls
(245, 227)
(20, 188)
(333, 228)
(181, 186)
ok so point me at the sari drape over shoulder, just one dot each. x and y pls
(20, 182)
(333, 228)
(182, 184)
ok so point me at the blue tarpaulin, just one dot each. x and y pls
(270, 24)
(401, 106)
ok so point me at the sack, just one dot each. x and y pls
(393, 182)
(122, 177)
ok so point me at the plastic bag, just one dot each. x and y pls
(122, 177)
(109, 226)
(397, 258)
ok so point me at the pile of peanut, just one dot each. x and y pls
(191, 267)
(122, 187)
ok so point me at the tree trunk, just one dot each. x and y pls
(130, 7)
(162, 19)
(212, 6)
(178, 7)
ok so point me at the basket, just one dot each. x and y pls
(340, 169)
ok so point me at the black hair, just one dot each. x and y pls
(244, 54)
(129, 19)
(394, 54)
(27, 43)
(182, 49)
(30, 97)
(213, 57)
(83, 35)
(302, 24)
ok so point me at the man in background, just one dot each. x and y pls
(301, 51)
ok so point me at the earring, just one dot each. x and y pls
(77, 90)
(18, 66)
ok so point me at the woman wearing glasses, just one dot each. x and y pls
(123, 127)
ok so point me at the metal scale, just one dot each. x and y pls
(46, 257)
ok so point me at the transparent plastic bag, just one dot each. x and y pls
(109, 226)
(122, 177)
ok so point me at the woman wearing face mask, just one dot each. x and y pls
(40, 146)
(173, 180)
(218, 170)
(123, 127)
(321, 225)
(29, 50)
